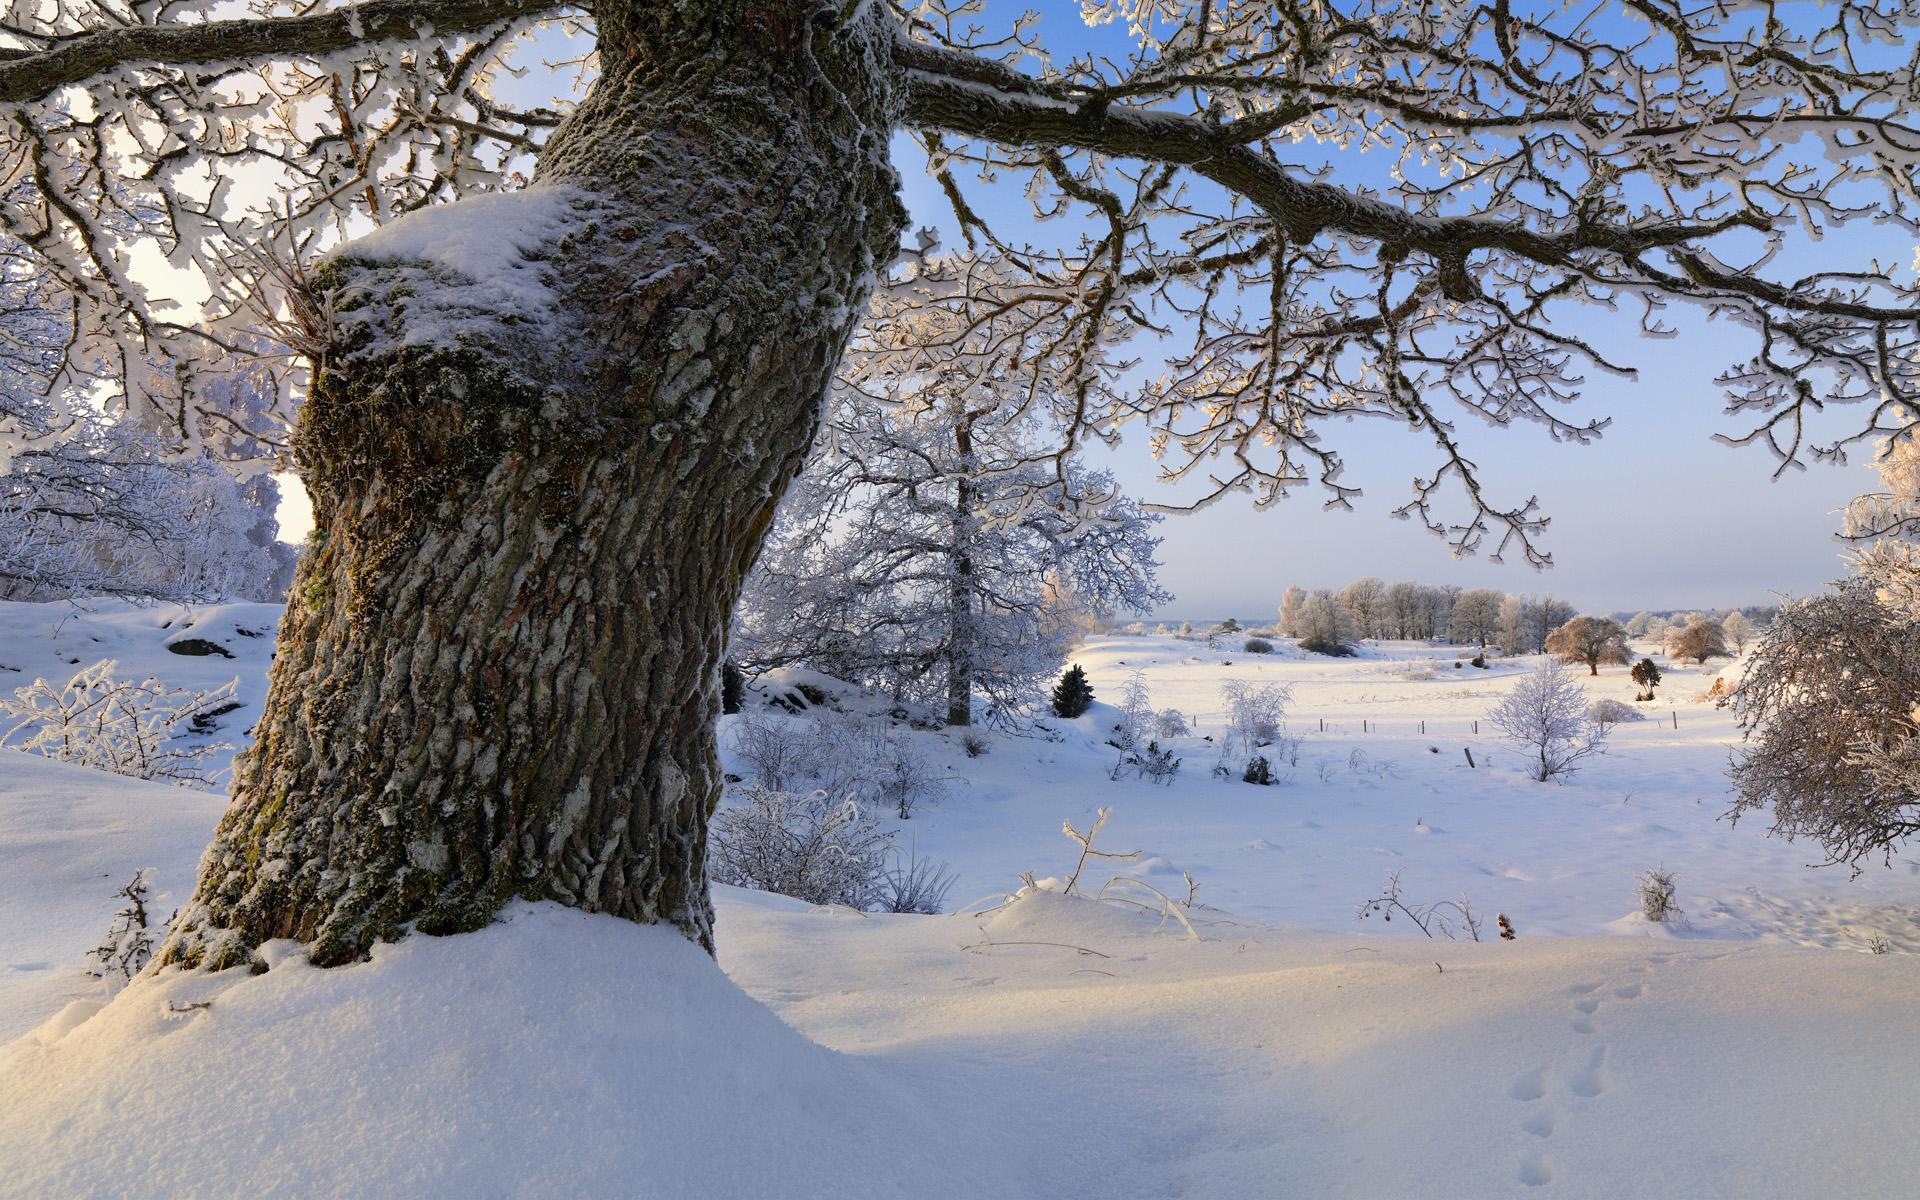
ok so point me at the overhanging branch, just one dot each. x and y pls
(29, 76)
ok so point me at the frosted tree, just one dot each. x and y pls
(1476, 617)
(1589, 641)
(1830, 702)
(1737, 630)
(546, 427)
(1640, 624)
(1291, 602)
(931, 546)
(1699, 639)
(1525, 622)
(1366, 601)
(100, 510)
(1326, 627)
(1547, 717)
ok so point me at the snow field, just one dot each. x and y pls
(1030, 1045)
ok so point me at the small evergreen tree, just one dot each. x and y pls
(1647, 676)
(1073, 694)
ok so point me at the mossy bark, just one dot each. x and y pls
(498, 673)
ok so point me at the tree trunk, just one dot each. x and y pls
(497, 676)
(962, 638)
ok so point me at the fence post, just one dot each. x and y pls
(1676, 718)
(1468, 750)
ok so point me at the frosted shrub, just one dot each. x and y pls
(128, 946)
(1258, 646)
(901, 776)
(811, 847)
(1609, 712)
(820, 750)
(1255, 715)
(1655, 888)
(118, 725)
(1546, 716)
(1170, 723)
(777, 752)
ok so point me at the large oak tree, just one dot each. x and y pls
(545, 431)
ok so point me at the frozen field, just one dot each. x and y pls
(1040, 1045)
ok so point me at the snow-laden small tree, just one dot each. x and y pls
(1589, 641)
(1546, 716)
(1699, 639)
(1737, 630)
(1326, 627)
(1640, 624)
(546, 430)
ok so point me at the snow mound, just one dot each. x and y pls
(555, 1053)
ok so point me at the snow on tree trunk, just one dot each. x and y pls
(498, 671)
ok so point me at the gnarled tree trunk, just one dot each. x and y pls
(497, 675)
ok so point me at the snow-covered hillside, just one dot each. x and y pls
(1036, 1045)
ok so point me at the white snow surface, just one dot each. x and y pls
(1044, 1046)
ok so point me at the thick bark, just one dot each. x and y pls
(498, 673)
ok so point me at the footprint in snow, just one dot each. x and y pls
(1591, 1081)
(1536, 1170)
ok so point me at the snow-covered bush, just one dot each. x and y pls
(1256, 645)
(1416, 670)
(810, 846)
(870, 760)
(119, 725)
(1607, 712)
(779, 753)
(1256, 716)
(1546, 715)
(1655, 890)
(1170, 723)
(974, 745)
(1259, 771)
(128, 946)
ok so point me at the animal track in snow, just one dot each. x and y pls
(1530, 1086)
(1629, 992)
(1535, 1170)
(1589, 1006)
(1540, 1124)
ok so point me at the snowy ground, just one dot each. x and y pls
(1049, 1046)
